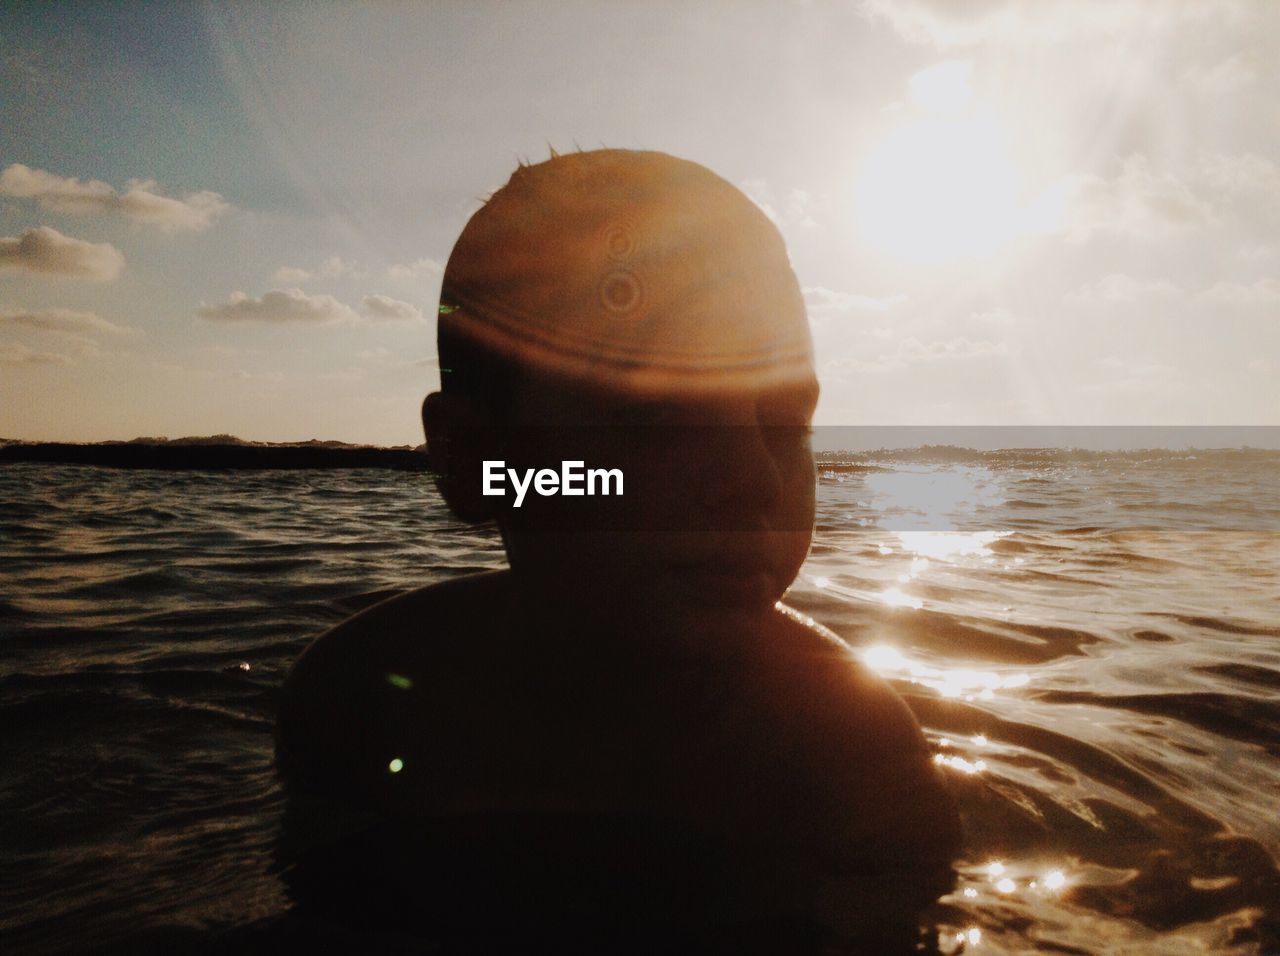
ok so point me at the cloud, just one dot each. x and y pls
(912, 351)
(822, 302)
(60, 320)
(384, 307)
(59, 193)
(950, 23)
(334, 267)
(789, 210)
(946, 23)
(1119, 287)
(1124, 289)
(21, 355)
(46, 251)
(193, 212)
(1245, 175)
(291, 274)
(418, 267)
(140, 202)
(280, 305)
(1223, 78)
(1139, 203)
(1261, 292)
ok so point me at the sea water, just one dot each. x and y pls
(1092, 645)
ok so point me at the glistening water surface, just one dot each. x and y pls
(1093, 648)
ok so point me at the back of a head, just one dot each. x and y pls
(631, 270)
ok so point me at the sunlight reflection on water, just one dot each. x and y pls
(1092, 658)
(943, 545)
(964, 682)
(929, 498)
(923, 547)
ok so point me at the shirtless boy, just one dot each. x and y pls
(630, 311)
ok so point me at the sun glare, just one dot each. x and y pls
(942, 186)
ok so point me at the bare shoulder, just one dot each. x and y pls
(831, 683)
(430, 619)
(350, 690)
(861, 740)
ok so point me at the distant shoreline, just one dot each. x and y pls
(214, 453)
(226, 452)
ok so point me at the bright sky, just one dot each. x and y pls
(231, 218)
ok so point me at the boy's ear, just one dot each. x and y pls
(460, 436)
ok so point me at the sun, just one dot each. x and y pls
(942, 185)
(939, 189)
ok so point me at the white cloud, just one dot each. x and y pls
(1223, 78)
(59, 320)
(141, 202)
(823, 302)
(384, 307)
(21, 355)
(1118, 287)
(46, 251)
(1139, 202)
(193, 212)
(280, 305)
(291, 275)
(334, 267)
(950, 23)
(1261, 292)
(758, 191)
(797, 208)
(791, 209)
(1245, 175)
(912, 351)
(418, 267)
(59, 193)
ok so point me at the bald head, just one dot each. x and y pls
(635, 271)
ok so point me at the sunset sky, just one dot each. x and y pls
(232, 218)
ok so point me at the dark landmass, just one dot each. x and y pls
(216, 452)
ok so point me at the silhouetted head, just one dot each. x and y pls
(632, 310)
